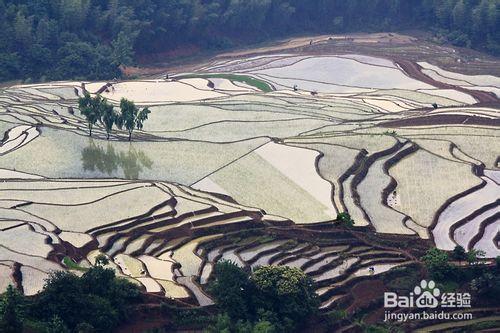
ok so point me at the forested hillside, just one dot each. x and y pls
(64, 39)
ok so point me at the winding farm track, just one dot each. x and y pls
(415, 71)
(441, 120)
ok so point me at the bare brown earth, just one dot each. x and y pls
(415, 71)
(414, 47)
(443, 119)
(483, 98)
(417, 47)
(365, 292)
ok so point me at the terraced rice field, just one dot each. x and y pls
(281, 141)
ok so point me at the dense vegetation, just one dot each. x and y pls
(63, 39)
(467, 270)
(270, 299)
(95, 302)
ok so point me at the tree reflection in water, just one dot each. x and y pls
(95, 157)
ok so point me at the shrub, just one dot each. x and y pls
(231, 290)
(11, 305)
(459, 253)
(345, 219)
(436, 262)
(288, 292)
(271, 299)
(97, 298)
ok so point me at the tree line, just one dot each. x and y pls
(98, 109)
(97, 301)
(465, 268)
(267, 299)
(272, 299)
(90, 39)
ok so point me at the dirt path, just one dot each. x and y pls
(441, 119)
(415, 71)
(279, 47)
(298, 42)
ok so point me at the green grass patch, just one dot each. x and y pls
(251, 81)
(73, 265)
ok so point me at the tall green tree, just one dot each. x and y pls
(285, 291)
(131, 117)
(437, 263)
(475, 256)
(459, 14)
(108, 116)
(459, 253)
(10, 66)
(232, 289)
(97, 298)
(73, 13)
(56, 325)
(23, 27)
(123, 50)
(280, 298)
(90, 108)
(10, 311)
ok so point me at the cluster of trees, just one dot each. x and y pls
(63, 39)
(465, 268)
(270, 299)
(97, 109)
(95, 302)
